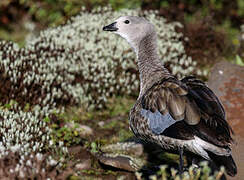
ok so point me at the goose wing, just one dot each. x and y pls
(204, 97)
(183, 109)
(212, 111)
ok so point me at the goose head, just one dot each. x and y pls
(132, 28)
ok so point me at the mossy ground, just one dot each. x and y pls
(113, 128)
(110, 121)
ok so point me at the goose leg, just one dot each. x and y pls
(181, 160)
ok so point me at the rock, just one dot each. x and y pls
(82, 129)
(86, 164)
(227, 81)
(131, 148)
(75, 150)
(101, 123)
(123, 155)
(121, 161)
(85, 130)
(133, 155)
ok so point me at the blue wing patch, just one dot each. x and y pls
(156, 121)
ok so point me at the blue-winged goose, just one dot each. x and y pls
(176, 114)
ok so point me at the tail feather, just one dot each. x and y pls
(226, 161)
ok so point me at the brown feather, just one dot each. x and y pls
(193, 114)
(153, 105)
(176, 107)
(180, 91)
(171, 85)
(161, 103)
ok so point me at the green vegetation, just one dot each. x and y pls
(117, 106)
(10, 105)
(239, 61)
(69, 136)
(54, 12)
(15, 35)
(202, 173)
(114, 119)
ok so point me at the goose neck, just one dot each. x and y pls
(150, 67)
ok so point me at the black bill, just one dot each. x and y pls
(110, 27)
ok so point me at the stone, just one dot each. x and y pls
(123, 155)
(86, 164)
(121, 161)
(85, 130)
(101, 123)
(132, 148)
(227, 82)
(82, 129)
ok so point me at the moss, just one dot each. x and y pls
(67, 135)
(117, 106)
(73, 177)
(124, 134)
(110, 125)
(120, 105)
(99, 172)
(91, 172)
(10, 105)
(83, 177)
(169, 157)
(15, 35)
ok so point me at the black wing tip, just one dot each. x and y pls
(226, 129)
(226, 161)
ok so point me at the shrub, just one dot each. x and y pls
(34, 166)
(78, 63)
(23, 132)
(26, 147)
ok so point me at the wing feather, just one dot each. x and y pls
(177, 106)
(170, 95)
(193, 102)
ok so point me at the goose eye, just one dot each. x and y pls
(126, 21)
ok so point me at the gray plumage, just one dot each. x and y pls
(157, 122)
(176, 114)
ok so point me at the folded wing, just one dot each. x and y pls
(185, 108)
